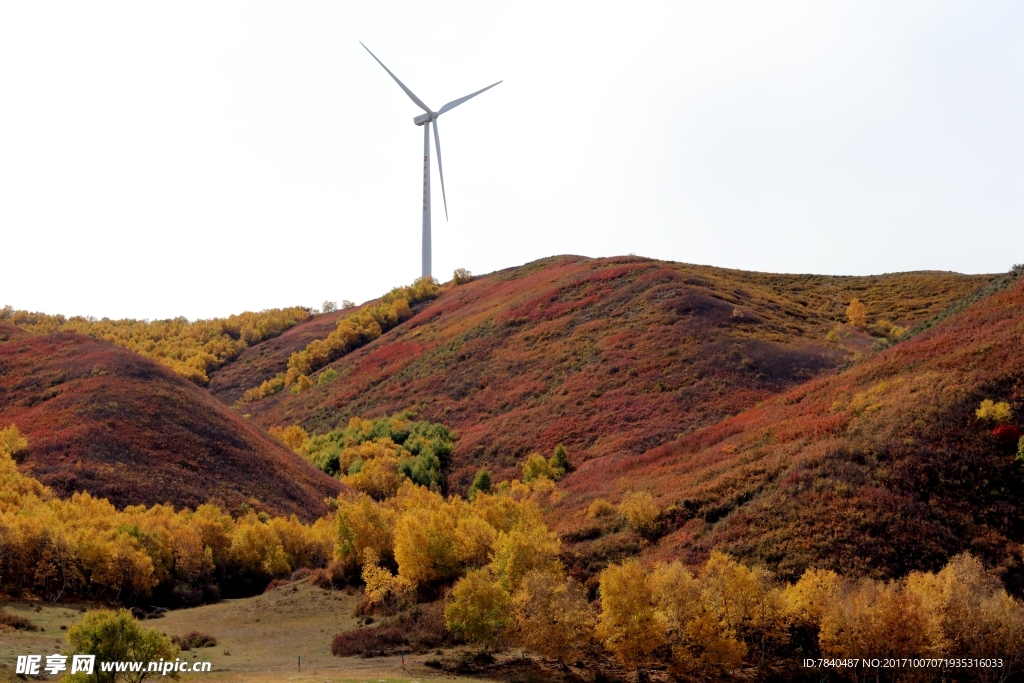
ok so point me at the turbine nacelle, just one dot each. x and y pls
(422, 118)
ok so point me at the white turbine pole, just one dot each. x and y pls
(426, 199)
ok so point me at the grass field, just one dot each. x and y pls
(258, 638)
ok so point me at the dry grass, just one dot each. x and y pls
(47, 640)
(264, 635)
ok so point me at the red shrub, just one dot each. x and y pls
(1007, 434)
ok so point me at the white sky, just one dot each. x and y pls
(200, 159)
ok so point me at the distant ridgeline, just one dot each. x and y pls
(191, 349)
(353, 331)
(376, 456)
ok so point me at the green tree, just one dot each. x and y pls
(560, 460)
(482, 482)
(117, 636)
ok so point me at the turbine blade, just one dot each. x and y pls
(408, 92)
(455, 103)
(440, 170)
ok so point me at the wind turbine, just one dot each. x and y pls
(425, 120)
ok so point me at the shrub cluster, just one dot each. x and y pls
(418, 629)
(193, 640)
(375, 456)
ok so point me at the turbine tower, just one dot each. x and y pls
(425, 120)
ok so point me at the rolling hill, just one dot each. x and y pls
(102, 419)
(879, 469)
(612, 357)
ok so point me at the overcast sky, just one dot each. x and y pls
(200, 159)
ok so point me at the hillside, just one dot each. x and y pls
(262, 361)
(103, 419)
(879, 469)
(612, 357)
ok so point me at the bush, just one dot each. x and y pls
(536, 465)
(193, 640)
(368, 641)
(276, 583)
(600, 508)
(640, 510)
(118, 636)
(461, 276)
(990, 411)
(419, 629)
(1007, 434)
(16, 623)
(1020, 450)
(301, 573)
(12, 443)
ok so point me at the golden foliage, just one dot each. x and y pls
(522, 550)
(12, 443)
(640, 510)
(294, 437)
(268, 388)
(84, 545)
(600, 507)
(630, 626)
(377, 477)
(990, 411)
(479, 608)
(359, 328)
(192, 349)
(551, 616)
(857, 314)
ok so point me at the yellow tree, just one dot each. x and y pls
(426, 543)
(361, 524)
(745, 601)
(699, 640)
(522, 550)
(857, 314)
(629, 625)
(806, 600)
(552, 616)
(479, 608)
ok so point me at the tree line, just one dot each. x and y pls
(352, 332)
(500, 569)
(191, 349)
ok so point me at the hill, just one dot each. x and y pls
(103, 419)
(612, 357)
(880, 469)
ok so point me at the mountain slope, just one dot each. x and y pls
(879, 469)
(105, 420)
(609, 356)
